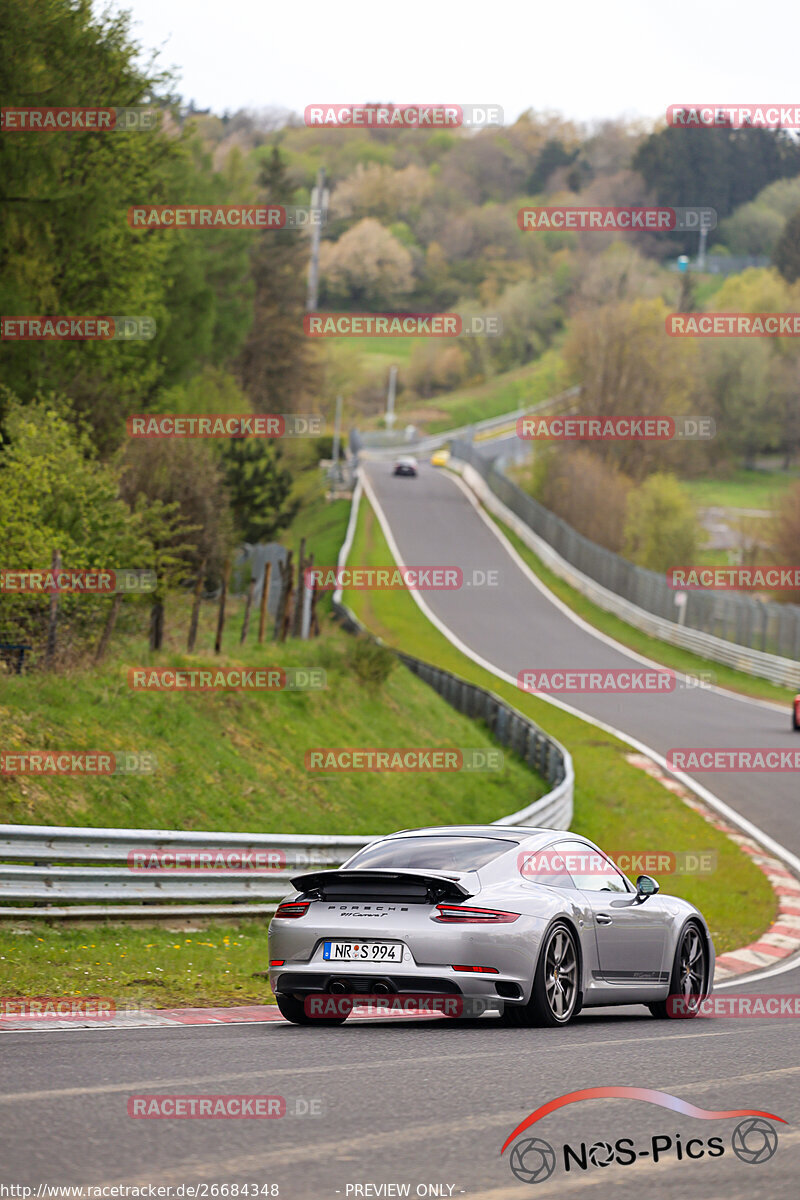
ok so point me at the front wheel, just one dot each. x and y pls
(554, 998)
(294, 1010)
(688, 983)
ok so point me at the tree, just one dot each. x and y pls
(368, 267)
(661, 528)
(259, 488)
(787, 535)
(721, 168)
(56, 495)
(186, 477)
(587, 493)
(787, 252)
(277, 366)
(627, 366)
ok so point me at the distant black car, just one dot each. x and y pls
(405, 466)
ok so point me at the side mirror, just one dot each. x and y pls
(645, 886)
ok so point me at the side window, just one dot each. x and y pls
(545, 866)
(591, 870)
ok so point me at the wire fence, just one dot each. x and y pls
(744, 620)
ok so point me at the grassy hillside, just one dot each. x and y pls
(234, 760)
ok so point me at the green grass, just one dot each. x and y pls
(236, 760)
(227, 761)
(503, 393)
(650, 647)
(135, 966)
(616, 804)
(741, 489)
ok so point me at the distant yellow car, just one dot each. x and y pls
(440, 458)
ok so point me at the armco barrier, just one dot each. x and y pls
(609, 580)
(64, 871)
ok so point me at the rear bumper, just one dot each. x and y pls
(300, 980)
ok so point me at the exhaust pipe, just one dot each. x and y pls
(382, 989)
(338, 987)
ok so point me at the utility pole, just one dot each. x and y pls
(319, 200)
(701, 255)
(390, 398)
(337, 437)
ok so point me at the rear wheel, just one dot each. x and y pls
(294, 1010)
(688, 983)
(554, 998)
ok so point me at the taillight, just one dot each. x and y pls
(478, 970)
(293, 908)
(459, 914)
(277, 962)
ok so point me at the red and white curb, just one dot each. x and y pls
(142, 1018)
(782, 939)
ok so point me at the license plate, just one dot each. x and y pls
(362, 952)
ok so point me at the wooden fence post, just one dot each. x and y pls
(262, 616)
(297, 611)
(251, 587)
(198, 591)
(223, 595)
(108, 628)
(283, 600)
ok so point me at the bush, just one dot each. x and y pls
(371, 662)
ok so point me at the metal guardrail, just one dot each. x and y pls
(604, 577)
(379, 444)
(87, 872)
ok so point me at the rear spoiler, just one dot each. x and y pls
(430, 886)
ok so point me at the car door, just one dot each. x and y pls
(631, 936)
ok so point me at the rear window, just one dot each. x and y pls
(433, 853)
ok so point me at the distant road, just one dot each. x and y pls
(516, 626)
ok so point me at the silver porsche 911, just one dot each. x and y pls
(536, 922)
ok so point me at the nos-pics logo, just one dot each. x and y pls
(533, 1160)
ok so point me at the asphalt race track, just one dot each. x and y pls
(427, 1104)
(408, 1102)
(515, 627)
